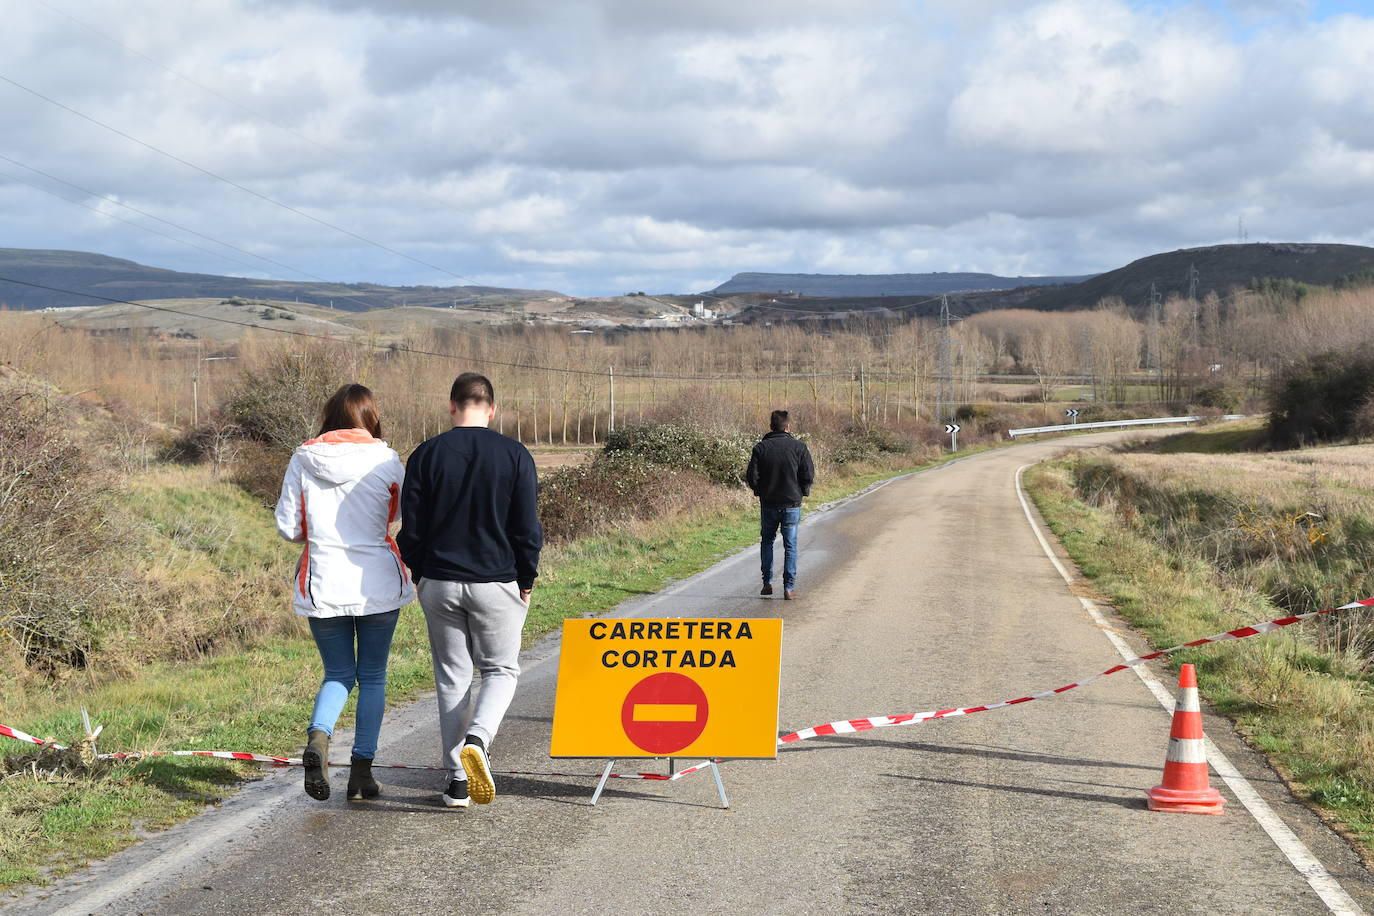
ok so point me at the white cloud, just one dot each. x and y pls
(578, 145)
(1075, 76)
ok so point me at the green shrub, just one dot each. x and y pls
(258, 470)
(854, 451)
(1320, 399)
(969, 413)
(56, 531)
(617, 486)
(855, 445)
(1223, 397)
(1356, 279)
(1282, 289)
(278, 399)
(719, 457)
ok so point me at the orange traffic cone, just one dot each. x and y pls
(1185, 788)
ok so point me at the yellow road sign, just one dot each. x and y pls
(668, 688)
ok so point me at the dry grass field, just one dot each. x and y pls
(555, 457)
(1295, 525)
(1189, 544)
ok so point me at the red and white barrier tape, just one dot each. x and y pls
(24, 736)
(847, 726)
(15, 733)
(844, 726)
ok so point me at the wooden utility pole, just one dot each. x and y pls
(863, 396)
(195, 391)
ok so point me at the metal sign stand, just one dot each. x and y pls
(672, 768)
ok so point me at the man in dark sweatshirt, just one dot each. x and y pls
(471, 537)
(780, 474)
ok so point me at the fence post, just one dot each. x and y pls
(863, 396)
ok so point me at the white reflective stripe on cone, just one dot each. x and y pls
(1187, 750)
(1187, 701)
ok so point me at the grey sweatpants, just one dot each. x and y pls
(472, 625)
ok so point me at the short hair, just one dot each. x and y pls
(351, 407)
(472, 388)
(778, 420)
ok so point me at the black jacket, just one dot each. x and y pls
(469, 509)
(780, 471)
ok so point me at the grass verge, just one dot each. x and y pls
(258, 699)
(1224, 438)
(1295, 695)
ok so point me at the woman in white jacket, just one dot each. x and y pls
(339, 498)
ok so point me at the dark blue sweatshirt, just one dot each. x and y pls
(469, 509)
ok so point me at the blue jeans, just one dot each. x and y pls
(334, 637)
(770, 520)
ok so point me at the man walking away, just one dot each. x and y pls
(471, 537)
(780, 474)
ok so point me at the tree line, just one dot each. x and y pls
(558, 387)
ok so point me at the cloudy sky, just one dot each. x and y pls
(609, 145)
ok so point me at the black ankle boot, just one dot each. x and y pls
(315, 759)
(361, 785)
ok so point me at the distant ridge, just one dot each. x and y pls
(1220, 268)
(868, 285)
(116, 278)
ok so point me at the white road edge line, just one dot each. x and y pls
(198, 844)
(1307, 865)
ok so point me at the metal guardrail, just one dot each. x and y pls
(1112, 424)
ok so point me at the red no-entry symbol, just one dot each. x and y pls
(664, 713)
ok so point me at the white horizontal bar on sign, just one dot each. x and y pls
(1111, 424)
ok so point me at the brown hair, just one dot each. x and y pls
(472, 388)
(778, 420)
(351, 407)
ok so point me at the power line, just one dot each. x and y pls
(241, 187)
(336, 153)
(222, 178)
(97, 210)
(401, 348)
(268, 199)
(167, 222)
(182, 76)
(234, 184)
(369, 304)
(217, 176)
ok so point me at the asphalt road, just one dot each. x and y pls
(931, 592)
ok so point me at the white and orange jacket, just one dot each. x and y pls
(341, 493)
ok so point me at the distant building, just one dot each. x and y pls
(699, 310)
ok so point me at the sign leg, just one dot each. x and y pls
(605, 777)
(720, 785)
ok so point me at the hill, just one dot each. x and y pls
(211, 319)
(116, 278)
(756, 308)
(1219, 268)
(230, 318)
(864, 286)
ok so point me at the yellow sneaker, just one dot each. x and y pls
(480, 784)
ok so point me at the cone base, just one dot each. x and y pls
(1182, 801)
